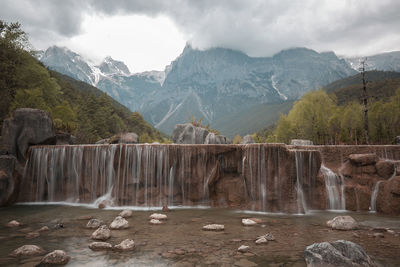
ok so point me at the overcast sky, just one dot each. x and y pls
(148, 34)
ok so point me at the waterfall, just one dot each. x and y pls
(374, 196)
(334, 188)
(301, 202)
(256, 176)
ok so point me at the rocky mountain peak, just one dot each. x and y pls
(111, 66)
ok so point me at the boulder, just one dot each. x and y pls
(57, 257)
(363, 159)
(385, 168)
(102, 233)
(94, 223)
(301, 142)
(100, 246)
(343, 223)
(126, 213)
(243, 248)
(27, 251)
(213, 138)
(248, 222)
(119, 223)
(27, 127)
(126, 245)
(155, 221)
(214, 227)
(65, 139)
(13, 223)
(125, 138)
(158, 216)
(261, 240)
(388, 198)
(122, 138)
(267, 236)
(339, 253)
(248, 139)
(189, 134)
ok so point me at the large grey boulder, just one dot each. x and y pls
(339, 253)
(57, 257)
(213, 138)
(189, 134)
(27, 127)
(363, 159)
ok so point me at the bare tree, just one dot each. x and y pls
(365, 99)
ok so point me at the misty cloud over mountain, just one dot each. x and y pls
(259, 28)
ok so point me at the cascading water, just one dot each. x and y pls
(301, 202)
(256, 176)
(374, 196)
(334, 188)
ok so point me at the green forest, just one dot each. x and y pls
(76, 107)
(318, 117)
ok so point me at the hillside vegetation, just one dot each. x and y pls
(76, 107)
(321, 118)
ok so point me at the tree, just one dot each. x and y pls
(365, 100)
(237, 139)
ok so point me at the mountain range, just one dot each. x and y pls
(217, 84)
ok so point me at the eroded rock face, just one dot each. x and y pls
(27, 251)
(343, 223)
(100, 246)
(385, 168)
(57, 257)
(388, 199)
(10, 178)
(126, 245)
(339, 253)
(119, 223)
(102, 233)
(363, 159)
(27, 127)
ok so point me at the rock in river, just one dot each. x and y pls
(126, 213)
(339, 253)
(94, 223)
(100, 246)
(158, 216)
(343, 223)
(126, 245)
(102, 233)
(28, 250)
(57, 257)
(119, 223)
(248, 222)
(214, 227)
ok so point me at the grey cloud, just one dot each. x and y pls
(257, 27)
